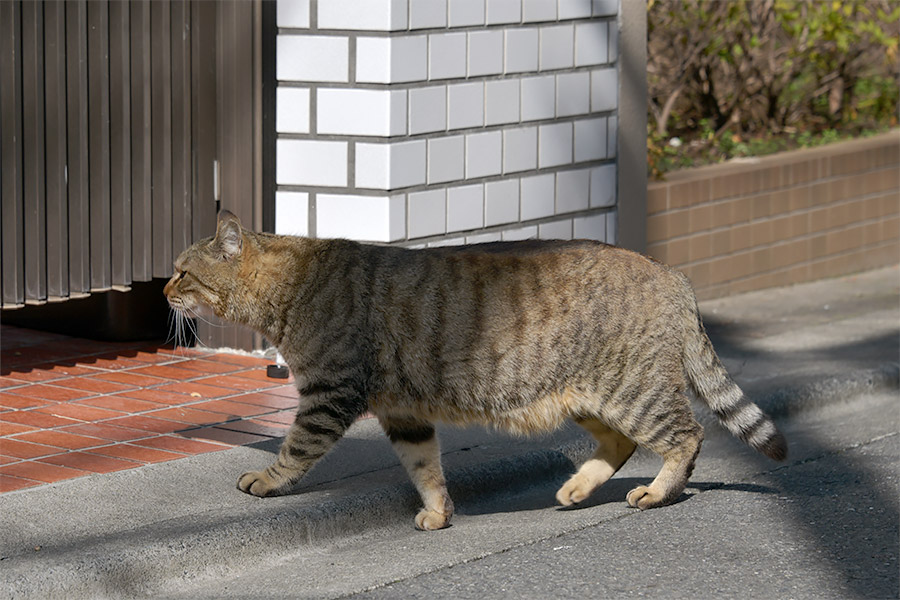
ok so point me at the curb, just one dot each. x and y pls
(789, 401)
(154, 557)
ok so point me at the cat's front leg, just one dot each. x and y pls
(314, 432)
(417, 446)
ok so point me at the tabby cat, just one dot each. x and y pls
(516, 335)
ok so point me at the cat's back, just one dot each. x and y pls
(514, 321)
(531, 270)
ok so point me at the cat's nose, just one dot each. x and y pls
(169, 285)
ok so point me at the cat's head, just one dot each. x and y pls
(207, 274)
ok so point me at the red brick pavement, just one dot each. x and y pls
(71, 407)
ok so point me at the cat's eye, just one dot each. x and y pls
(181, 275)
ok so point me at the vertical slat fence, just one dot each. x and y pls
(141, 155)
(11, 206)
(107, 140)
(77, 149)
(120, 141)
(55, 115)
(111, 117)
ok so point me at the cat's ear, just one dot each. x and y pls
(228, 234)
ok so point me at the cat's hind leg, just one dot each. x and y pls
(678, 464)
(417, 447)
(667, 428)
(613, 449)
(312, 435)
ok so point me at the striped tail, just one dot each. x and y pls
(735, 411)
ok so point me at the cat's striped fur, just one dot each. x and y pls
(520, 336)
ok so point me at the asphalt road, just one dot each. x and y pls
(824, 524)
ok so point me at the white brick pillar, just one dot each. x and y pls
(432, 122)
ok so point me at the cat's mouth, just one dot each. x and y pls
(184, 307)
(178, 304)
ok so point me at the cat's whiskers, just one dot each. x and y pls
(196, 315)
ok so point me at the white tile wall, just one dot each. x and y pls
(557, 230)
(574, 9)
(465, 208)
(409, 58)
(537, 198)
(604, 90)
(519, 149)
(464, 13)
(573, 93)
(391, 60)
(557, 47)
(398, 107)
(292, 115)
(311, 162)
(292, 213)
(554, 145)
(446, 159)
(425, 14)
(538, 98)
(605, 8)
(501, 202)
(483, 154)
(407, 163)
(292, 14)
(427, 109)
(484, 238)
(373, 166)
(504, 11)
(501, 101)
(590, 228)
(509, 85)
(427, 213)
(603, 186)
(485, 52)
(590, 139)
(373, 59)
(390, 166)
(361, 112)
(373, 15)
(538, 10)
(446, 55)
(521, 50)
(458, 241)
(613, 43)
(311, 58)
(572, 190)
(611, 228)
(465, 105)
(612, 136)
(590, 43)
(522, 233)
(369, 218)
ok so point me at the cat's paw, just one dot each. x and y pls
(644, 497)
(429, 520)
(258, 483)
(575, 490)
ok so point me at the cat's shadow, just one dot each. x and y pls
(612, 492)
(337, 471)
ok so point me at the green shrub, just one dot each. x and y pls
(747, 77)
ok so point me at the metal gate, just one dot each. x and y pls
(115, 118)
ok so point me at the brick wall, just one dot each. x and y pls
(781, 219)
(429, 122)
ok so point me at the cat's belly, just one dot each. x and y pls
(544, 414)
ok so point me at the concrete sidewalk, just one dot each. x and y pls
(137, 531)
